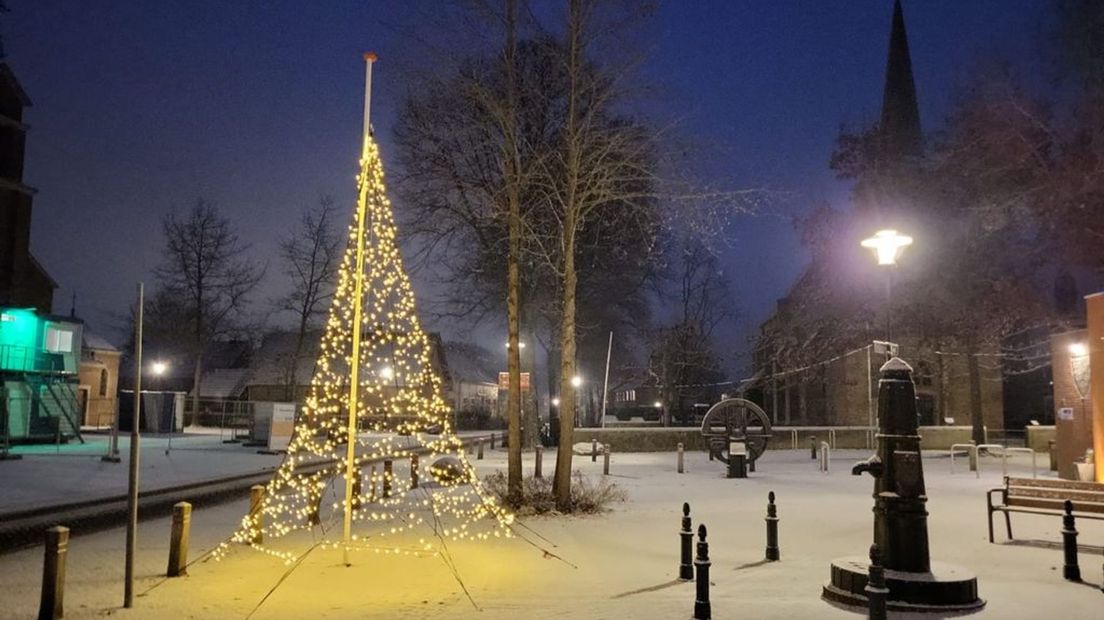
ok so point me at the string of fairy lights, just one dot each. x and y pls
(398, 401)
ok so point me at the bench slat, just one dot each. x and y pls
(1083, 496)
(1057, 505)
(1052, 483)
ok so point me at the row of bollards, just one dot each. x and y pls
(698, 569)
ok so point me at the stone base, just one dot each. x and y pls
(946, 588)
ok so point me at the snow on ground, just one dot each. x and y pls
(623, 563)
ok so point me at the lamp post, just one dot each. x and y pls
(888, 245)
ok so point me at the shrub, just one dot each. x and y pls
(478, 419)
(588, 496)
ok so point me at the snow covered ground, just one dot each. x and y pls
(618, 565)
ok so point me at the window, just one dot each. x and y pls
(103, 382)
(59, 340)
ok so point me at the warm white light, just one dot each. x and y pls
(1078, 349)
(658, 405)
(159, 368)
(887, 245)
(555, 402)
(576, 381)
(521, 345)
(386, 373)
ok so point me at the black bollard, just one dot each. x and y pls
(773, 554)
(387, 469)
(605, 459)
(52, 601)
(1071, 571)
(414, 471)
(686, 534)
(876, 591)
(479, 452)
(702, 609)
(593, 450)
(680, 467)
(812, 447)
(492, 441)
(538, 456)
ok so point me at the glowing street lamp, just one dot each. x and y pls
(386, 373)
(1078, 349)
(556, 402)
(576, 381)
(887, 245)
(159, 368)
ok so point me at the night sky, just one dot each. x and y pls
(143, 106)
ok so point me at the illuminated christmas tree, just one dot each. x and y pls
(395, 397)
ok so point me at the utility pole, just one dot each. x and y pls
(605, 384)
(132, 481)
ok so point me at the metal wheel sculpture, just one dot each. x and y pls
(736, 419)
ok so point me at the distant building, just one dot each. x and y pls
(23, 281)
(39, 363)
(98, 379)
(470, 374)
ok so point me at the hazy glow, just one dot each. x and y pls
(1078, 349)
(555, 402)
(159, 368)
(576, 381)
(887, 245)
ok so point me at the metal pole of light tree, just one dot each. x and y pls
(358, 291)
(605, 384)
(132, 482)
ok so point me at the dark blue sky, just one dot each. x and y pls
(142, 106)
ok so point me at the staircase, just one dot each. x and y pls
(57, 402)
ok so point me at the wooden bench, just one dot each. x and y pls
(1045, 496)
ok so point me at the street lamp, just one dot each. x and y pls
(159, 368)
(521, 345)
(555, 402)
(1078, 349)
(576, 381)
(888, 245)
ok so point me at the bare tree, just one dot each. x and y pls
(311, 257)
(682, 352)
(205, 269)
(602, 165)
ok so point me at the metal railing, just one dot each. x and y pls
(974, 450)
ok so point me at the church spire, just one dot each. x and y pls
(900, 124)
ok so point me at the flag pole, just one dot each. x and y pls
(358, 290)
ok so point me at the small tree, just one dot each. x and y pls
(310, 257)
(206, 271)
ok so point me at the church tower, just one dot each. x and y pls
(23, 282)
(899, 137)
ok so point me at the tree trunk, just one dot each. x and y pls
(513, 399)
(529, 423)
(197, 379)
(976, 419)
(561, 484)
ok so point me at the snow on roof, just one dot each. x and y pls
(90, 340)
(272, 360)
(469, 362)
(223, 383)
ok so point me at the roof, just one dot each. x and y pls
(90, 340)
(224, 383)
(8, 76)
(469, 362)
(271, 361)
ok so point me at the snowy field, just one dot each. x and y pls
(618, 565)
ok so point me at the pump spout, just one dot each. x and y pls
(872, 466)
